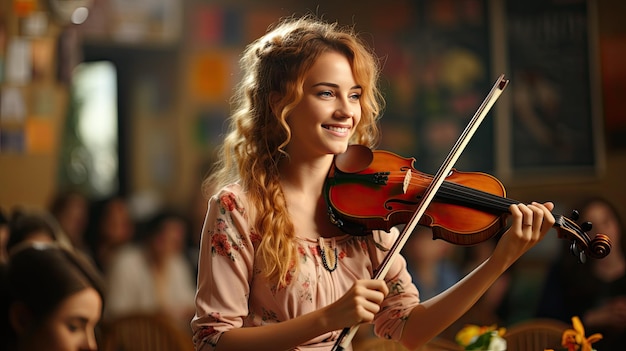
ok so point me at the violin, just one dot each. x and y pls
(375, 190)
(372, 190)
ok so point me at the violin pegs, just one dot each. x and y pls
(576, 251)
(582, 258)
(586, 226)
(575, 215)
(573, 248)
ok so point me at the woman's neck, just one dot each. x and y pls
(303, 185)
(305, 177)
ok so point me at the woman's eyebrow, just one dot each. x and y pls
(333, 85)
(80, 319)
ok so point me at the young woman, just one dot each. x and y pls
(274, 272)
(51, 300)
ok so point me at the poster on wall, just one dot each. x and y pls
(554, 126)
(146, 20)
(435, 76)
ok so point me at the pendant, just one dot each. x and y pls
(329, 257)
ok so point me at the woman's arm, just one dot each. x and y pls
(529, 225)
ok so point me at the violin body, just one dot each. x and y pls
(375, 190)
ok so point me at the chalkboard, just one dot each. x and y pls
(554, 124)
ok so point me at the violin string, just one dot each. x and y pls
(481, 198)
(464, 194)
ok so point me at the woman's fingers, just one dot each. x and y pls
(363, 300)
(530, 223)
(532, 218)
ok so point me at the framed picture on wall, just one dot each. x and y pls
(551, 123)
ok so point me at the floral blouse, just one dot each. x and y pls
(232, 293)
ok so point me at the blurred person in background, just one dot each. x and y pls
(71, 210)
(430, 262)
(110, 227)
(596, 290)
(30, 226)
(154, 276)
(51, 299)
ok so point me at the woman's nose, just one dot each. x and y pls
(344, 112)
(90, 343)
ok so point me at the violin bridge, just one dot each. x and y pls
(407, 181)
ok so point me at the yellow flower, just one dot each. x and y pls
(465, 336)
(471, 332)
(572, 338)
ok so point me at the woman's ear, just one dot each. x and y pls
(20, 318)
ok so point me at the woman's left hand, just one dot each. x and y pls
(530, 223)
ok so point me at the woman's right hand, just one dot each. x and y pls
(358, 305)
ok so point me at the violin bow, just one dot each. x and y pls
(345, 338)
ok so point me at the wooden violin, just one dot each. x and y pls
(375, 190)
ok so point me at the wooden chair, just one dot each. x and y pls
(144, 333)
(377, 344)
(535, 334)
(440, 344)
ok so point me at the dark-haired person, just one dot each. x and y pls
(52, 299)
(594, 291)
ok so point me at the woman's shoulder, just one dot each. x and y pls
(229, 190)
(232, 199)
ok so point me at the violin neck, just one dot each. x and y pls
(458, 194)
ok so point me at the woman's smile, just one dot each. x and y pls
(342, 130)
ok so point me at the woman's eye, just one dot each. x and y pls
(355, 96)
(75, 325)
(325, 94)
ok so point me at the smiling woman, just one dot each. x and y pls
(51, 300)
(294, 279)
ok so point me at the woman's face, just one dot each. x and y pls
(73, 218)
(71, 326)
(170, 240)
(118, 227)
(330, 109)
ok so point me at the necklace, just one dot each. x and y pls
(324, 253)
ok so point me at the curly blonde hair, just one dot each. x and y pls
(276, 64)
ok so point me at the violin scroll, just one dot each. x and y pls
(582, 246)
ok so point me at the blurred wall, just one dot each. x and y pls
(177, 67)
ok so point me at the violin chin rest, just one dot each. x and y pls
(355, 159)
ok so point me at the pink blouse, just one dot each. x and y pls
(232, 293)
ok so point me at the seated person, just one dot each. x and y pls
(51, 299)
